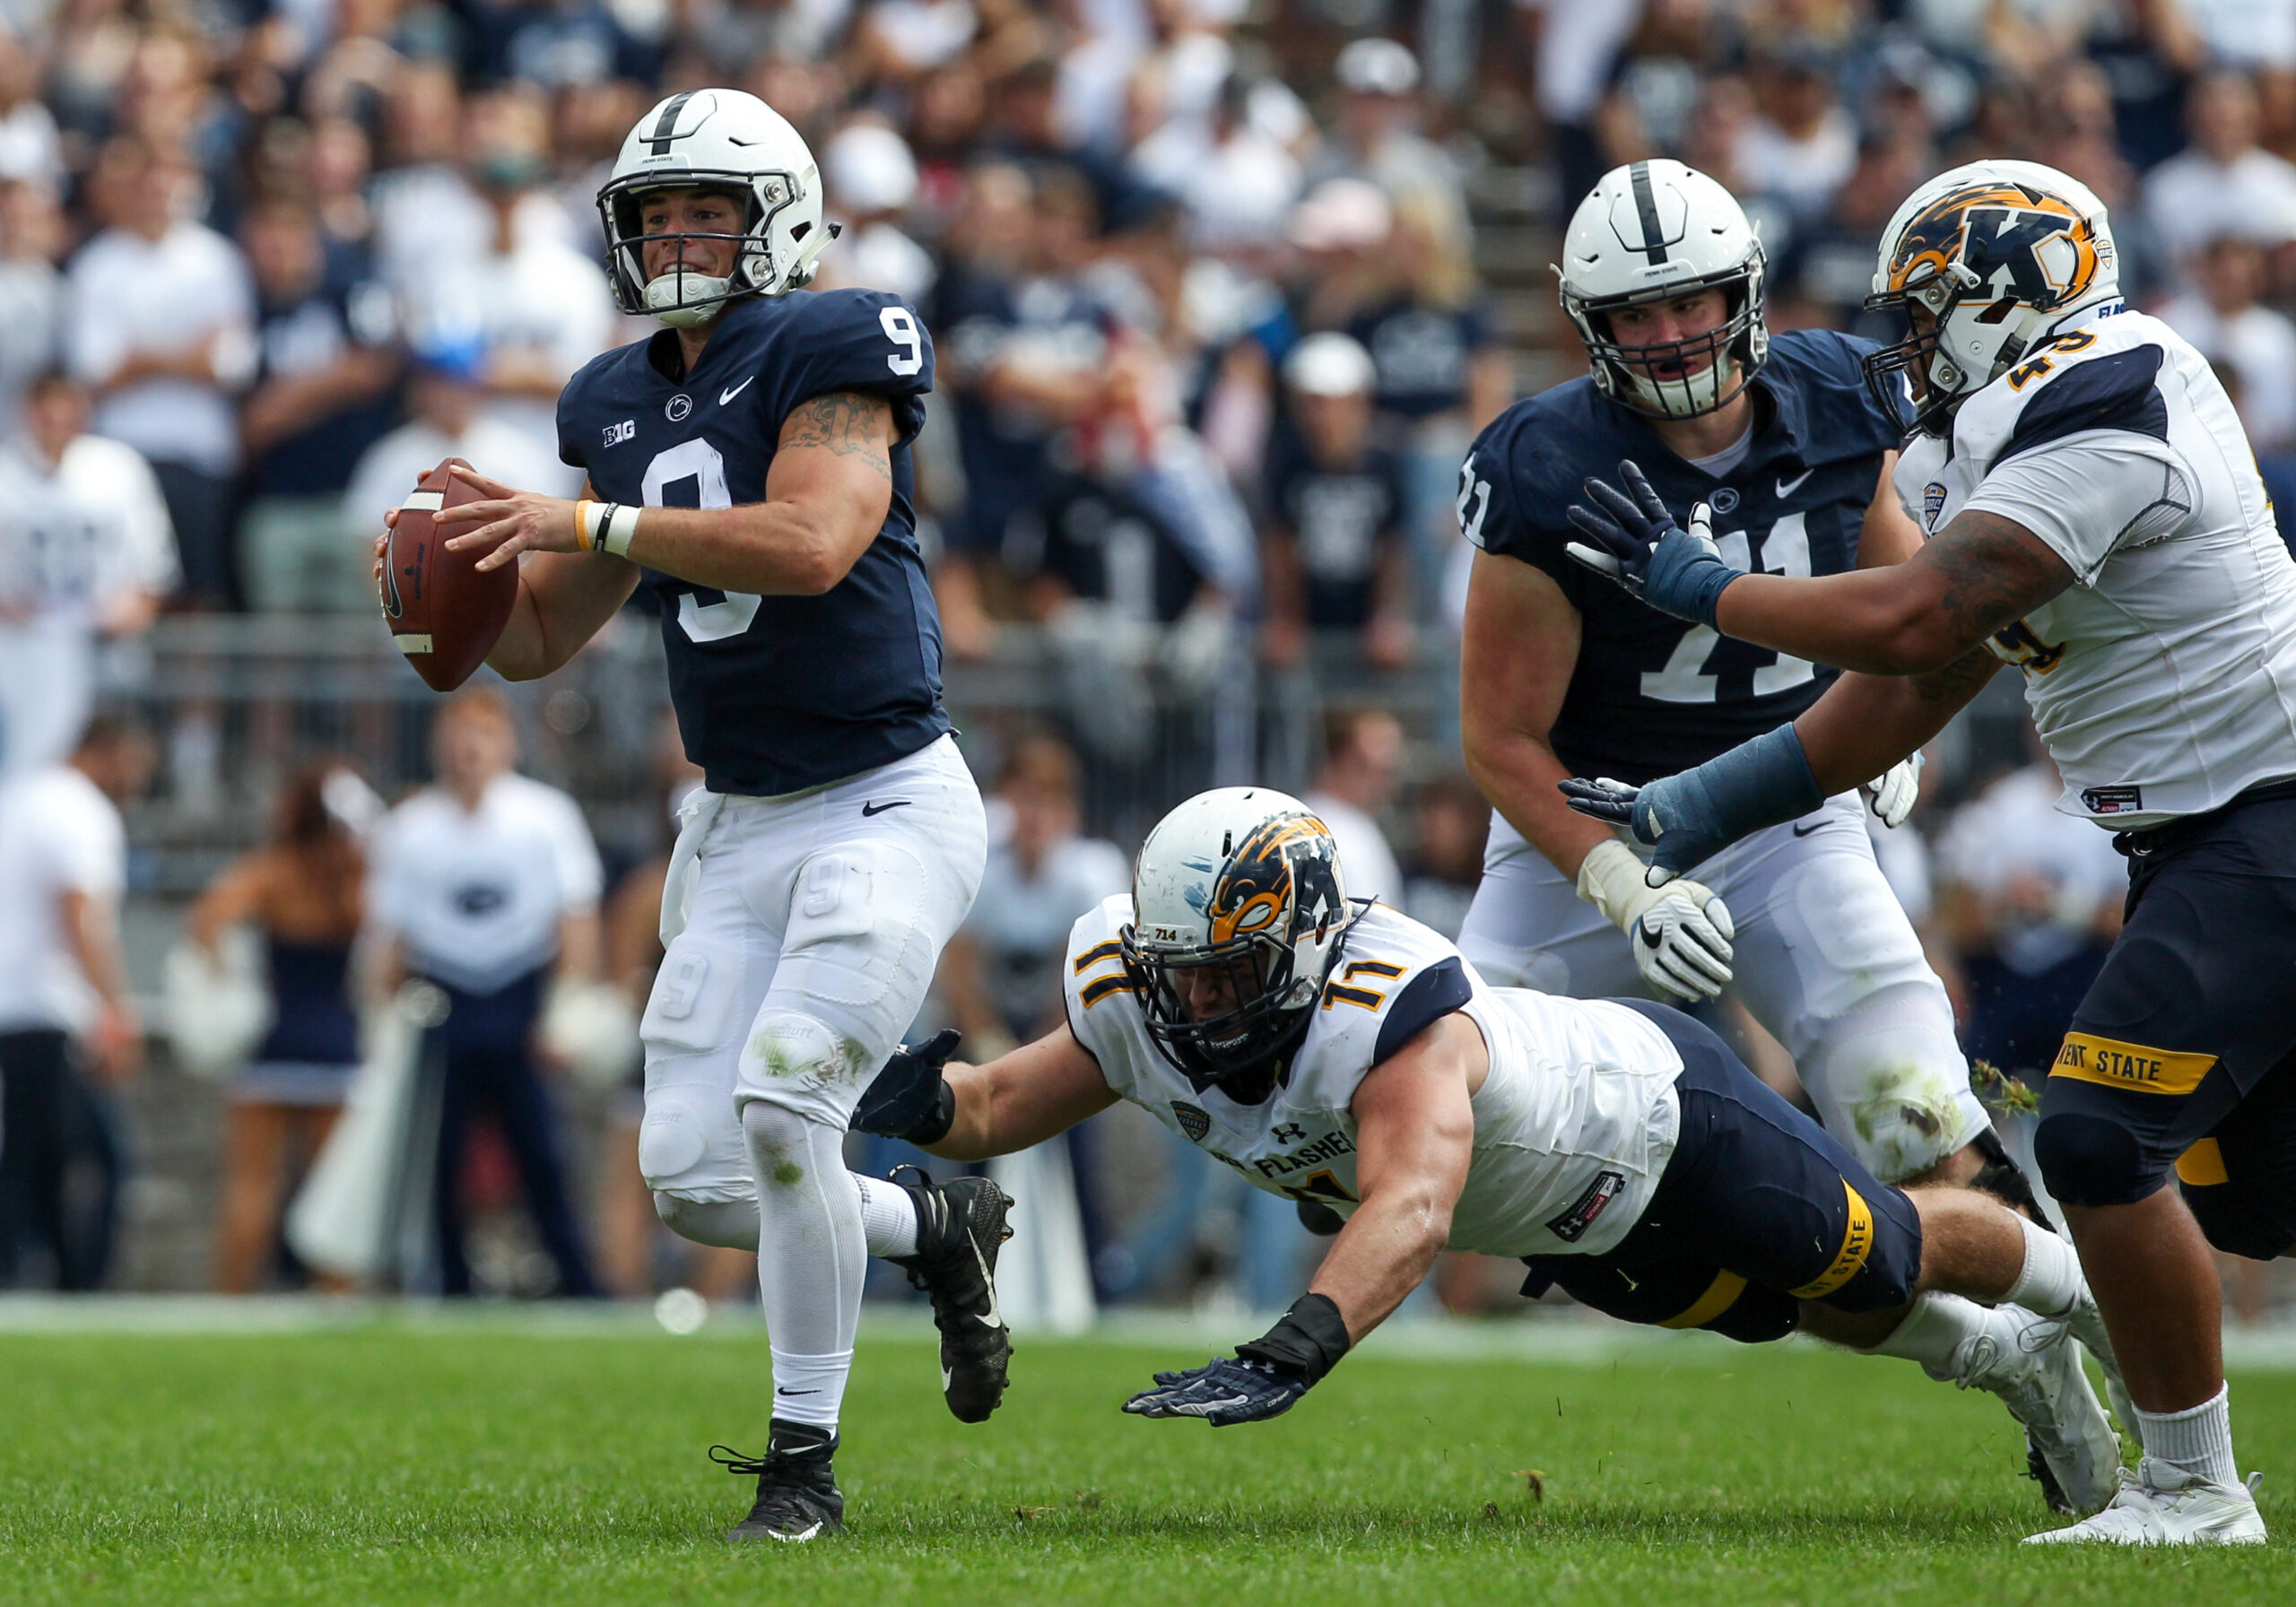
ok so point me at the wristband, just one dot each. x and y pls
(584, 509)
(618, 529)
(1307, 1340)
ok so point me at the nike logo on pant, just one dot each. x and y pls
(1805, 830)
(796, 1392)
(869, 809)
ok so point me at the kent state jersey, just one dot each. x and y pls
(775, 694)
(2163, 679)
(1574, 1122)
(1651, 695)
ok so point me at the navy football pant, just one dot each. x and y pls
(1759, 1209)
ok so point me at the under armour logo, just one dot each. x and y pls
(1287, 1133)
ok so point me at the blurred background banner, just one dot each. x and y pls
(1221, 290)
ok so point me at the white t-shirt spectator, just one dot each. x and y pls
(32, 315)
(475, 897)
(2013, 836)
(1022, 922)
(2259, 345)
(2191, 199)
(29, 148)
(175, 294)
(393, 464)
(1804, 172)
(58, 834)
(1367, 866)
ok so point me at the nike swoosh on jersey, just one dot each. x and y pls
(1787, 488)
(870, 809)
(732, 391)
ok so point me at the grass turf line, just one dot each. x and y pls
(393, 1466)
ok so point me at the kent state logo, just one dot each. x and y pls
(677, 407)
(1933, 503)
(1194, 1121)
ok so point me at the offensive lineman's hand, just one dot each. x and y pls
(1893, 792)
(1665, 814)
(910, 1099)
(1635, 542)
(1680, 932)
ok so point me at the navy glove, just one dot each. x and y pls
(1266, 1379)
(1636, 543)
(910, 1099)
(1692, 817)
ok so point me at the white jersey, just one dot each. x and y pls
(1572, 1126)
(2164, 679)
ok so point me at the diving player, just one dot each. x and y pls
(764, 434)
(1562, 674)
(1342, 1054)
(2094, 518)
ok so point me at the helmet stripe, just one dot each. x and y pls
(1646, 205)
(665, 126)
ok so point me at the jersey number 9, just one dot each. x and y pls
(900, 325)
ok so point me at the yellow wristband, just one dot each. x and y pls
(582, 507)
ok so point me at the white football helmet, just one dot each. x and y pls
(1997, 256)
(715, 139)
(1247, 880)
(1649, 231)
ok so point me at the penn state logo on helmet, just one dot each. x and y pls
(1986, 262)
(1238, 912)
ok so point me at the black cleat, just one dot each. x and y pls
(797, 1497)
(960, 1228)
(2037, 1469)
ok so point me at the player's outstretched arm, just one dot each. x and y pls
(972, 1112)
(827, 494)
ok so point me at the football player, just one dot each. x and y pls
(1564, 674)
(1342, 1055)
(2095, 518)
(749, 465)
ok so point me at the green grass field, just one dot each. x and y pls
(496, 1462)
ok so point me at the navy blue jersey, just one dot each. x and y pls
(1343, 521)
(1650, 695)
(775, 694)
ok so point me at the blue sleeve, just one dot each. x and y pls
(1513, 490)
(871, 342)
(570, 433)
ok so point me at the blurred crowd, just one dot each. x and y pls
(1220, 290)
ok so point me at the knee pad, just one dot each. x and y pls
(799, 1063)
(726, 1224)
(1892, 1082)
(2089, 1159)
(691, 1145)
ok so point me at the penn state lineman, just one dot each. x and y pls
(1342, 1054)
(2096, 519)
(1561, 674)
(839, 839)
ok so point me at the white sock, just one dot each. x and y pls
(1933, 1330)
(2049, 1281)
(809, 1257)
(887, 1217)
(2196, 1441)
(810, 1389)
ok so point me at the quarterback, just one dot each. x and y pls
(2094, 517)
(749, 466)
(1562, 674)
(1342, 1055)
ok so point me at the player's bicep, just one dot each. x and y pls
(1518, 646)
(1414, 1120)
(835, 459)
(1036, 1092)
(1981, 572)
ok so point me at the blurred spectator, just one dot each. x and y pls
(85, 553)
(321, 398)
(2032, 900)
(1235, 179)
(443, 396)
(29, 150)
(1802, 144)
(302, 892)
(485, 885)
(872, 182)
(1578, 43)
(1001, 973)
(2223, 183)
(162, 326)
(2222, 316)
(1451, 820)
(1375, 137)
(64, 1011)
(1332, 550)
(1361, 773)
(32, 237)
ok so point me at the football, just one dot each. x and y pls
(444, 613)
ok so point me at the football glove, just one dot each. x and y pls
(1692, 817)
(1893, 794)
(910, 1098)
(1266, 1379)
(1636, 543)
(1681, 932)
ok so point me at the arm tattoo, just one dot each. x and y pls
(1958, 680)
(1995, 572)
(846, 422)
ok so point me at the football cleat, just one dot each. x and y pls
(960, 1228)
(2087, 1324)
(2039, 1378)
(2159, 1505)
(797, 1497)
